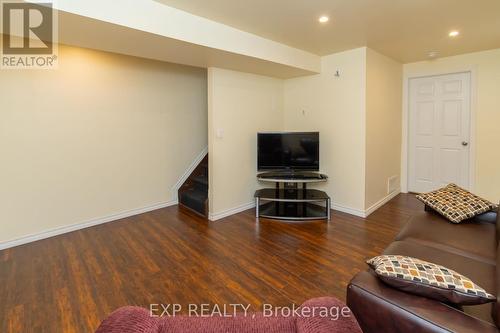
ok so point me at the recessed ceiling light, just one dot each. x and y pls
(454, 33)
(323, 19)
(432, 54)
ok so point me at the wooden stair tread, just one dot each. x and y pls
(193, 194)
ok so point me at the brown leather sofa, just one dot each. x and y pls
(469, 248)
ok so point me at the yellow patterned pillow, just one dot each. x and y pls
(455, 203)
(429, 280)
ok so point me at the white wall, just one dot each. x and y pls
(384, 78)
(485, 67)
(358, 115)
(101, 135)
(240, 105)
(338, 107)
(335, 106)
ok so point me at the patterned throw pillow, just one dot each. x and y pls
(455, 203)
(429, 280)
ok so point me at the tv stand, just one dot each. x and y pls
(289, 201)
(292, 177)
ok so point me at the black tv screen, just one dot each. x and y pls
(288, 151)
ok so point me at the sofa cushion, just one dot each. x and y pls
(476, 240)
(455, 203)
(427, 279)
(480, 272)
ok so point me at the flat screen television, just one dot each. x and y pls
(288, 151)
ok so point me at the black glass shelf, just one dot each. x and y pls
(299, 195)
(281, 177)
(295, 211)
(292, 203)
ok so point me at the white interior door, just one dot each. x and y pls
(439, 129)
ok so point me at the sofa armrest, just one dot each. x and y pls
(381, 308)
(488, 217)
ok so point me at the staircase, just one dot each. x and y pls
(193, 194)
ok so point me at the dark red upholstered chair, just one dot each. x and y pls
(138, 320)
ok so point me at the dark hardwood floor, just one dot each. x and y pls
(69, 283)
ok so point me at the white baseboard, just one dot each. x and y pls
(340, 208)
(212, 217)
(65, 229)
(381, 202)
(188, 172)
(369, 210)
(241, 208)
(348, 210)
(231, 211)
(82, 225)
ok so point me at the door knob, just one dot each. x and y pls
(465, 143)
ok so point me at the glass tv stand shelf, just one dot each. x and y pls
(289, 201)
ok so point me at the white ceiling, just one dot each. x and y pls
(406, 30)
(148, 29)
